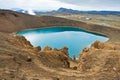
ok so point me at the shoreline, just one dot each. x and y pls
(74, 27)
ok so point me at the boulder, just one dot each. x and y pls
(47, 48)
(64, 50)
(37, 49)
(101, 45)
(55, 49)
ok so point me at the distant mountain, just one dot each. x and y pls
(71, 11)
(64, 11)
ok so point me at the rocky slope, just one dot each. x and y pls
(19, 60)
(101, 59)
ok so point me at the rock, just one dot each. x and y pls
(85, 50)
(29, 59)
(74, 57)
(64, 50)
(101, 45)
(66, 64)
(74, 68)
(55, 49)
(37, 49)
(54, 59)
(20, 41)
(55, 78)
(47, 48)
(24, 57)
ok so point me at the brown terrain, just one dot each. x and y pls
(19, 60)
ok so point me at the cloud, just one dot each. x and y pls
(55, 4)
(96, 4)
(88, 2)
(35, 4)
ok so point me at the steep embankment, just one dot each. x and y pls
(21, 61)
(101, 59)
(12, 21)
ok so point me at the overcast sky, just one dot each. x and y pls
(46, 5)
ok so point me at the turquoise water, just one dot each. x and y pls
(56, 37)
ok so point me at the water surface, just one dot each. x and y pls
(56, 37)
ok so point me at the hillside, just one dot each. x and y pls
(21, 61)
(13, 21)
(105, 20)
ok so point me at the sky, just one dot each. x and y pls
(47, 5)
